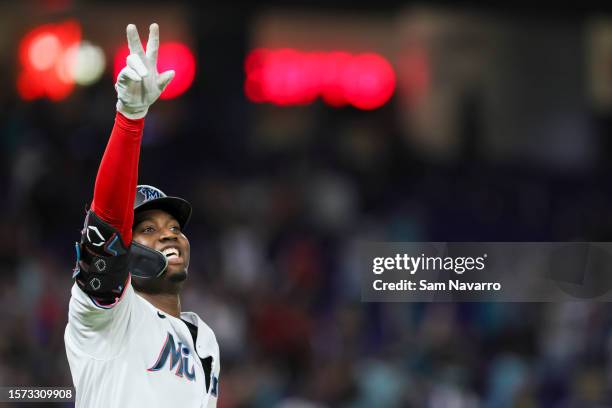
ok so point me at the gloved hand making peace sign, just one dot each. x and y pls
(139, 84)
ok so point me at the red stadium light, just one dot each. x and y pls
(172, 55)
(44, 51)
(43, 57)
(290, 77)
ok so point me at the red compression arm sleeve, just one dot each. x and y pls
(117, 177)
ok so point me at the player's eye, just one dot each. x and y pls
(148, 229)
(176, 228)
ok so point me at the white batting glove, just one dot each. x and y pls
(139, 84)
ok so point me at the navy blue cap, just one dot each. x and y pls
(152, 198)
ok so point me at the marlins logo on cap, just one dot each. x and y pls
(149, 193)
(152, 198)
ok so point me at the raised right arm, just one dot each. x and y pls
(138, 86)
(102, 298)
(117, 176)
(101, 271)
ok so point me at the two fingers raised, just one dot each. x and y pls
(135, 45)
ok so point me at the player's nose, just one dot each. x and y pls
(167, 234)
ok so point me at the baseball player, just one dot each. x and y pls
(127, 340)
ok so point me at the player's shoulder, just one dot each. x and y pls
(80, 299)
(145, 306)
(204, 331)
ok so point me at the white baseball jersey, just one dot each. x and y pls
(135, 355)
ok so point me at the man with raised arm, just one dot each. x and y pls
(128, 342)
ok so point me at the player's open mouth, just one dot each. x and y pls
(171, 253)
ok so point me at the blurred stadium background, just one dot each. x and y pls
(308, 127)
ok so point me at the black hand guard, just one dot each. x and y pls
(146, 263)
(102, 260)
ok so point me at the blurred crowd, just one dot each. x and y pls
(274, 240)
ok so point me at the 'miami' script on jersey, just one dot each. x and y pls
(146, 357)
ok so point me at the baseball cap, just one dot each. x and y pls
(152, 198)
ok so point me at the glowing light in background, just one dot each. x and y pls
(290, 77)
(43, 64)
(86, 63)
(172, 55)
(44, 51)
